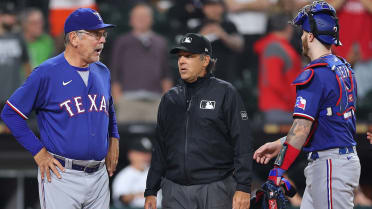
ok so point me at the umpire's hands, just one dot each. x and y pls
(241, 200)
(150, 202)
(112, 155)
(46, 161)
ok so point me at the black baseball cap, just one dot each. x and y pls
(142, 144)
(193, 43)
(85, 19)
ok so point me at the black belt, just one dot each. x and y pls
(74, 166)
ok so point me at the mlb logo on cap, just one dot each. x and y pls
(186, 40)
(193, 43)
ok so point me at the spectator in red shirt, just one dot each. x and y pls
(279, 64)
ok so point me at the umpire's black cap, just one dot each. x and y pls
(193, 43)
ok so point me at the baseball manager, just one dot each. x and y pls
(70, 94)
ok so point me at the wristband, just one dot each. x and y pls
(286, 156)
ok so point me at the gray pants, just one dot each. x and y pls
(216, 195)
(331, 180)
(75, 190)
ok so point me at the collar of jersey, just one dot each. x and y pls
(321, 59)
(80, 68)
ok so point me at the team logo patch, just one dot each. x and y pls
(207, 105)
(301, 103)
(244, 115)
(187, 40)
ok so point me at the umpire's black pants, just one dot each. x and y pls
(215, 195)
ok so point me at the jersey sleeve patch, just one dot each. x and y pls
(304, 77)
(301, 103)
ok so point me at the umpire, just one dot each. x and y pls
(202, 155)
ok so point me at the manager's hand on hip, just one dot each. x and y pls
(150, 202)
(112, 155)
(46, 161)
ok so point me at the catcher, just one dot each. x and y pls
(324, 117)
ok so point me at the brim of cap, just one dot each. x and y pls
(177, 49)
(101, 26)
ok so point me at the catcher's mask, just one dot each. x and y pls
(319, 18)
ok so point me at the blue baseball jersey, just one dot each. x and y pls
(326, 94)
(74, 119)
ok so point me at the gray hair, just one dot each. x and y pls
(212, 63)
(67, 38)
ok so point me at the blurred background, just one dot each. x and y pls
(257, 51)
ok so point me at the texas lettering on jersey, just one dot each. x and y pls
(78, 103)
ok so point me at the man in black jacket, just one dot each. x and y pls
(202, 155)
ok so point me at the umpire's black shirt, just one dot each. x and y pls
(202, 136)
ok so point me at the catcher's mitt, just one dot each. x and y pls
(271, 196)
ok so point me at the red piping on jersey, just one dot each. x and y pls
(16, 110)
(340, 95)
(305, 82)
(316, 65)
(351, 81)
(303, 116)
(348, 109)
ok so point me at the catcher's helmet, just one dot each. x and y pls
(319, 18)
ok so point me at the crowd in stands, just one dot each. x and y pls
(256, 50)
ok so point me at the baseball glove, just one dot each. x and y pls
(271, 196)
